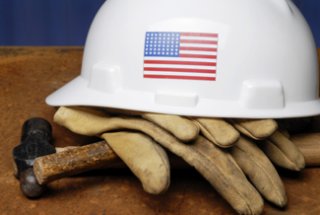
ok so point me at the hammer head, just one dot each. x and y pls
(29, 184)
(36, 141)
(25, 154)
(37, 128)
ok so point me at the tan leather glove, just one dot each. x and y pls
(275, 146)
(215, 164)
(200, 152)
(253, 162)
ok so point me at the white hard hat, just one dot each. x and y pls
(212, 58)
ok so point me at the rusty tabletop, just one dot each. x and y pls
(27, 76)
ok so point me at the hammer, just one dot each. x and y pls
(73, 160)
(36, 141)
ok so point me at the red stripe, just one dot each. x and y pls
(198, 49)
(198, 34)
(200, 42)
(180, 62)
(181, 77)
(198, 56)
(180, 70)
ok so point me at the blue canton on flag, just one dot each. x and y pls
(165, 44)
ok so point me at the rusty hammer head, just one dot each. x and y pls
(36, 141)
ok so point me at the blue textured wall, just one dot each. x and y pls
(311, 11)
(66, 22)
(46, 22)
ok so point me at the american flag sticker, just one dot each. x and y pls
(180, 55)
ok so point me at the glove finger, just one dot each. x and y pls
(260, 171)
(218, 131)
(146, 159)
(81, 121)
(224, 175)
(255, 129)
(182, 128)
(220, 169)
(283, 152)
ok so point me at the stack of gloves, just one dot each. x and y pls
(236, 156)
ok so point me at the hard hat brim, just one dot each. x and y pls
(78, 93)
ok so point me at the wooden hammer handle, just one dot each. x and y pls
(74, 161)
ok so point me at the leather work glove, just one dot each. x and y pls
(275, 146)
(250, 158)
(137, 142)
(275, 143)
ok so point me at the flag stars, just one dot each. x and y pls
(164, 44)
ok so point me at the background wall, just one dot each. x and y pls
(66, 22)
(311, 11)
(46, 22)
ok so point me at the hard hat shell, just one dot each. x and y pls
(211, 58)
